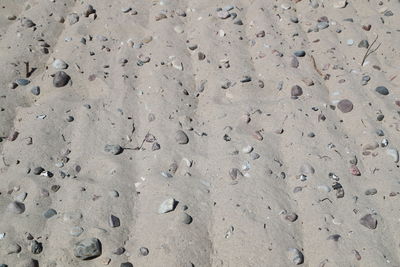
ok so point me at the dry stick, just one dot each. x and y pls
(27, 69)
(315, 66)
(369, 51)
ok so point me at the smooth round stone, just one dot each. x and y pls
(223, 14)
(59, 64)
(382, 90)
(38, 170)
(296, 91)
(185, 218)
(371, 192)
(300, 53)
(247, 149)
(307, 169)
(16, 207)
(76, 231)
(49, 213)
(22, 82)
(126, 264)
(35, 90)
(363, 44)
(350, 42)
(181, 137)
(70, 119)
(87, 249)
(113, 193)
(345, 105)
(61, 79)
(178, 29)
(72, 217)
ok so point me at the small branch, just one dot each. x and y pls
(370, 50)
(27, 72)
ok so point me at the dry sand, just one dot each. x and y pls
(255, 121)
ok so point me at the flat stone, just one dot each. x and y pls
(363, 44)
(16, 207)
(382, 90)
(76, 231)
(87, 249)
(322, 25)
(38, 170)
(126, 264)
(167, 206)
(144, 251)
(35, 90)
(181, 137)
(369, 221)
(49, 213)
(113, 149)
(340, 4)
(345, 105)
(23, 82)
(61, 79)
(291, 217)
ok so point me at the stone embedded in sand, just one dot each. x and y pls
(295, 256)
(371, 192)
(126, 264)
(49, 213)
(38, 170)
(76, 231)
(345, 105)
(73, 18)
(307, 169)
(89, 10)
(181, 137)
(223, 14)
(36, 247)
(363, 44)
(322, 25)
(185, 218)
(16, 207)
(144, 251)
(354, 170)
(247, 149)
(234, 173)
(35, 90)
(382, 90)
(167, 206)
(22, 82)
(28, 263)
(113, 149)
(294, 63)
(291, 217)
(178, 29)
(299, 53)
(59, 64)
(340, 4)
(296, 91)
(87, 249)
(114, 221)
(394, 153)
(61, 79)
(369, 221)
(27, 23)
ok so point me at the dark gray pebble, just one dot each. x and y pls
(61, 79)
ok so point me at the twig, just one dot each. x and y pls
(370, 50)
(27, 69)
(315, 66)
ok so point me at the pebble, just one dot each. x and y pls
(72, 18)
(354, 170)
(23, 82)
(16, 207)
(322, 25)
(394, 153)
(223, 14)
(113, 149)
(76, 231)
(61, 79)
(181, 137)
(87, 249)
(49, 213)
(167, 206)
(36, 247)
(38, 170)
(185, 218)
(178, 29)
(363, 44)
(144, 251)
(382, 90)
(295, 256)
(291, 217)
(126, 264)
(27, 23)
(371, 192)
(300, 53)
(247, 149)
(307, 169)
(294, 63)
(296, 91)
(59, 64)
(113, 221)
(35, 90)
(340, 4)
(345, 105)
(369, 221)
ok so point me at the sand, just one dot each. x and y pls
(256, 124)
